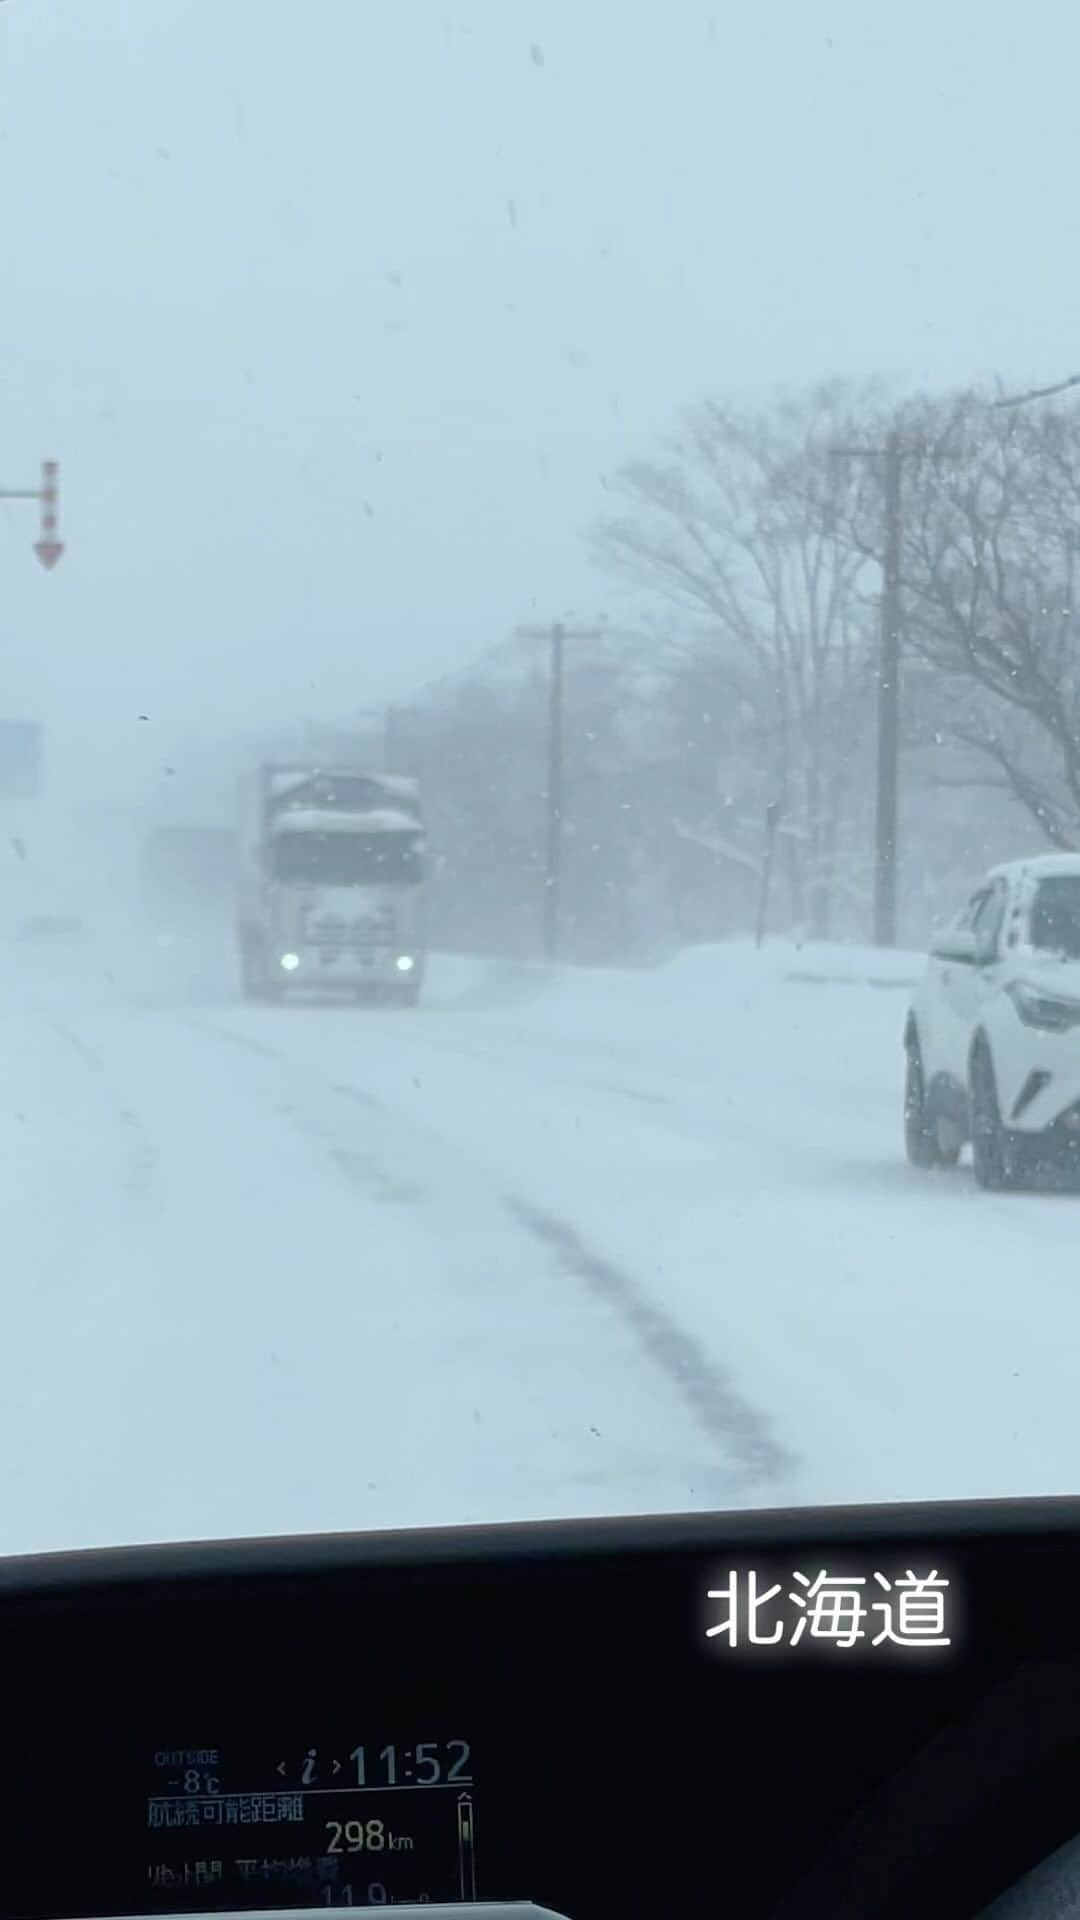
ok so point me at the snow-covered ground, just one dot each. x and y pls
(550, 1245)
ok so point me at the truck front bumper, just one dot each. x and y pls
(348, 967)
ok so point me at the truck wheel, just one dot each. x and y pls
(394, 994)
(257, 982)
(251, 981)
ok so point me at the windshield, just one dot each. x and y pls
(1055, 916)
(347, 859)
(638, 445)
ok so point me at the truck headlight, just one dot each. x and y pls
(404, 963)
(290, 962)
(1045, 1010)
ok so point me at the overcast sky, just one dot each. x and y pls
(337, 311)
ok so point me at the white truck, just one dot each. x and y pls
(330, 885)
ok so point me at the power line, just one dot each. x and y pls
(1038, 393)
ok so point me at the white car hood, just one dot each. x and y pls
(1053, 976)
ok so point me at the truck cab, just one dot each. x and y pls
(331, 895)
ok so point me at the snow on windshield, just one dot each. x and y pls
(602, 449)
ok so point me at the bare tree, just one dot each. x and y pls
(478, 741)
(991, 534)
(739, 525)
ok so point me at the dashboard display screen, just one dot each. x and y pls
(598, 1722)
(361, 1819)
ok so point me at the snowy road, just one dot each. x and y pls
(609, 1244)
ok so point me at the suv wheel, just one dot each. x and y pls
(997, 1155)
(926, 1140)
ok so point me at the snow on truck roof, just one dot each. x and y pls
(284, 780)
(1038, 866)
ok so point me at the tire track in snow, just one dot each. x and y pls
(362, 1169)
(640, 1095)
(142, 1180)
(744, 1434)
(365, 1170)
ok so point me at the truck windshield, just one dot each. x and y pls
(1055, 916)
(349, 859)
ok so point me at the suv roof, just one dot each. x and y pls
(1040, 866)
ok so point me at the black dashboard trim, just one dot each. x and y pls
(775, 1528)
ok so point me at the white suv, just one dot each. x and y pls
(993, 1032)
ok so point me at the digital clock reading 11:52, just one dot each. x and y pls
(429, 1763)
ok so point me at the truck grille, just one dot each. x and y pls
(334, 935)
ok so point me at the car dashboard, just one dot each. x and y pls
(848, 1711)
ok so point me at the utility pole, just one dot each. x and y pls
(888, 755)
(893, 454)
(772, 823)
(557, 635)
(48, 546)
(391, 739)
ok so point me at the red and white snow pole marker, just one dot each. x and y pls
(49, 547)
